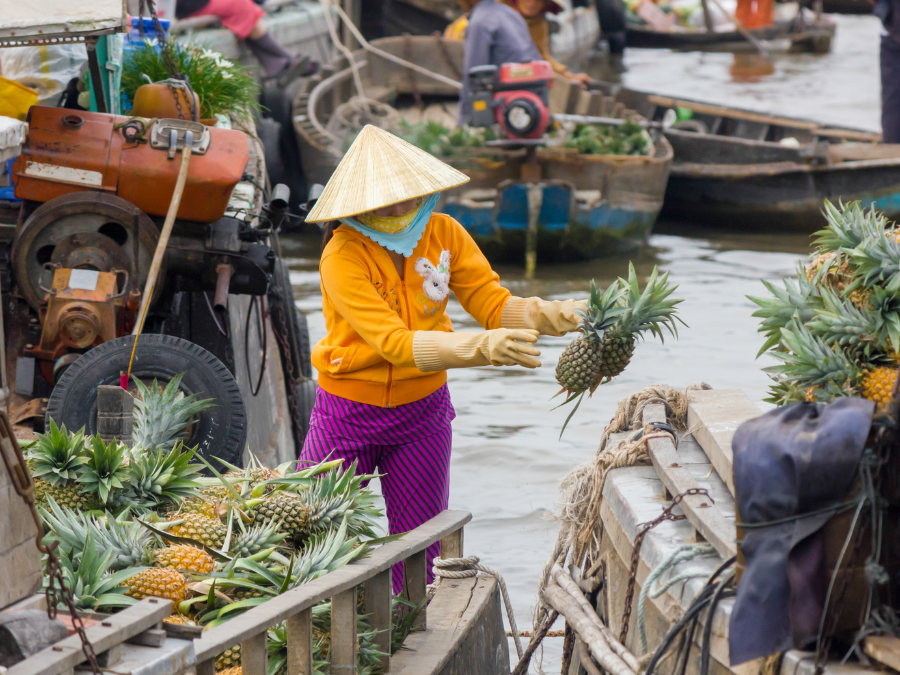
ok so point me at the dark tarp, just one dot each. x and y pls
(790, 461)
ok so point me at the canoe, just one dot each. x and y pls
(847, 6)
(735, 168)
(784, 36)
(589, 205)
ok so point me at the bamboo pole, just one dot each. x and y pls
(742, 29)
(567, 583)
(165, 234)
(603, 654)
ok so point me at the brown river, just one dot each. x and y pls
(507, 454)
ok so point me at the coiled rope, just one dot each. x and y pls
(681, 554)
(466, 568)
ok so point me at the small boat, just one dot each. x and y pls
(848, 6)
(795, 36)
(741, 169)
(589, 205)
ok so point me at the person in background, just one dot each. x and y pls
(533, 12)
(495, 34)
(889, 13)
(244, 18)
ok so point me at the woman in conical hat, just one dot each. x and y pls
(387, 269)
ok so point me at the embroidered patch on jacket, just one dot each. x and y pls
(437, 279)
(390, 297)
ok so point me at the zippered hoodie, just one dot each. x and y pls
(371, 315)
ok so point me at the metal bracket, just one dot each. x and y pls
(161, 132)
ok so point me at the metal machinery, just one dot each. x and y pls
(76, 245)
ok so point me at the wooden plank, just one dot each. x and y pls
(300, 644)
(207, 667)
(64, 656)
(343, 631)
(884, 649)
(596, 104)
(713, 417)
(854, 152)
(416, 571)
(700, 511)
(378, 609)
(708, 109)
(255, 654)
(152, 637)
(452, 545)
(276, 610)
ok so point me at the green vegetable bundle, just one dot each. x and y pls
(595, 139)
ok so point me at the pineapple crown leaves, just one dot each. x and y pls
(105, 468)
(651, 310)
(92, 585)
(810, 362)
(327, 552)
(58, 454)
(839, 322)
(159, 476)
(877, 263)
(798, 300)
(602, 310)
(162, 417)
(848, 226)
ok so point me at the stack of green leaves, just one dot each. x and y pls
(601, 139)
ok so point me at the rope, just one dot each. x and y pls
(680, 555)
(465, 568)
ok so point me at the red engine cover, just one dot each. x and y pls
(72, 151)
(523, 73)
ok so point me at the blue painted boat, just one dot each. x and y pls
(585, 206)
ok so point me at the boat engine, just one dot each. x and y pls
(95, 188)
(516, 96)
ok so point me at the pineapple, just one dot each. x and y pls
(234, 670)
(185, 558)
(55, 459)
(255, 539)
(104, 470)
(157, 582)
(164, 416)
(158, 477)
(230, 658)
(877, 384)
(287, 511)
(207, 531)
(178, 620)
(214, 509)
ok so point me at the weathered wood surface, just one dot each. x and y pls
(885, 649)
(713, 417)
(65, 655)
(700, 510)
(20, 560)
(276, 610)
(465, 634)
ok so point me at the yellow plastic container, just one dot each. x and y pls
(16, 99)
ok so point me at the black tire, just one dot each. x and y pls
(304, 347)
(220, 431)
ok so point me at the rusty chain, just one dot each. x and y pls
(56, 587)
(636, 551)
(166, 51)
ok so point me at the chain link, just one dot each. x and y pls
(56, 587)
(166, 51)
(636, 551)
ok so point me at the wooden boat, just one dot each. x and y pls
(785, 36)
(737, 168)
(636, 495)
(590, 205)
(848, 6)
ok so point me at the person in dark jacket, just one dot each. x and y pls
(496, 34)
(889, 13)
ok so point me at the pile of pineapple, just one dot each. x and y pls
(609, 328)
(836, 326)
(144, 522)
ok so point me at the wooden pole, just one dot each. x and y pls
(164, 236)
(707, 18)
(353, 10)
(742, 29)
(531, 176)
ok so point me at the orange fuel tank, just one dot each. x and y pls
(72, 151)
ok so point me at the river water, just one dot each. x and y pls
(507, 454)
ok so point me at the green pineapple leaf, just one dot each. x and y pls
(105, 469)
(57, 455)
(162, 417)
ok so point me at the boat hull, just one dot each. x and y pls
(788, 200)
(815, 38)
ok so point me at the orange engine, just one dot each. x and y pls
(72, 151)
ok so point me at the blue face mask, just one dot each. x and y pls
(403, 242)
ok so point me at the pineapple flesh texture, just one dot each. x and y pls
(230, 658)
(198, 527)
(578, 369)
(158, 582)
(70, 495)
(287, 509)
(186, 558)
(878, 384)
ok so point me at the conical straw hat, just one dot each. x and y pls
(378, 170)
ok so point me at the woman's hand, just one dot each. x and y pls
(556, 317)
(436, 350)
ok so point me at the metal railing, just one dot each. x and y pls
(295, 606)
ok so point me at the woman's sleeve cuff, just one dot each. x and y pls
(514, 313)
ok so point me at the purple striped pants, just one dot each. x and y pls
(409, 444)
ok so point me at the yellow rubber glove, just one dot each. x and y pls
(555, 317)
(436, 350)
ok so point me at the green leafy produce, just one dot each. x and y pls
(442, 141)
(597, 139)
(223, 87)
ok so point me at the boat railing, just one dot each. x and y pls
(295, 606)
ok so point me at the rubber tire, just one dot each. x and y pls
(304, 346)
(220, 431)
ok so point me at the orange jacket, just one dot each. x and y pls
(371, 314)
